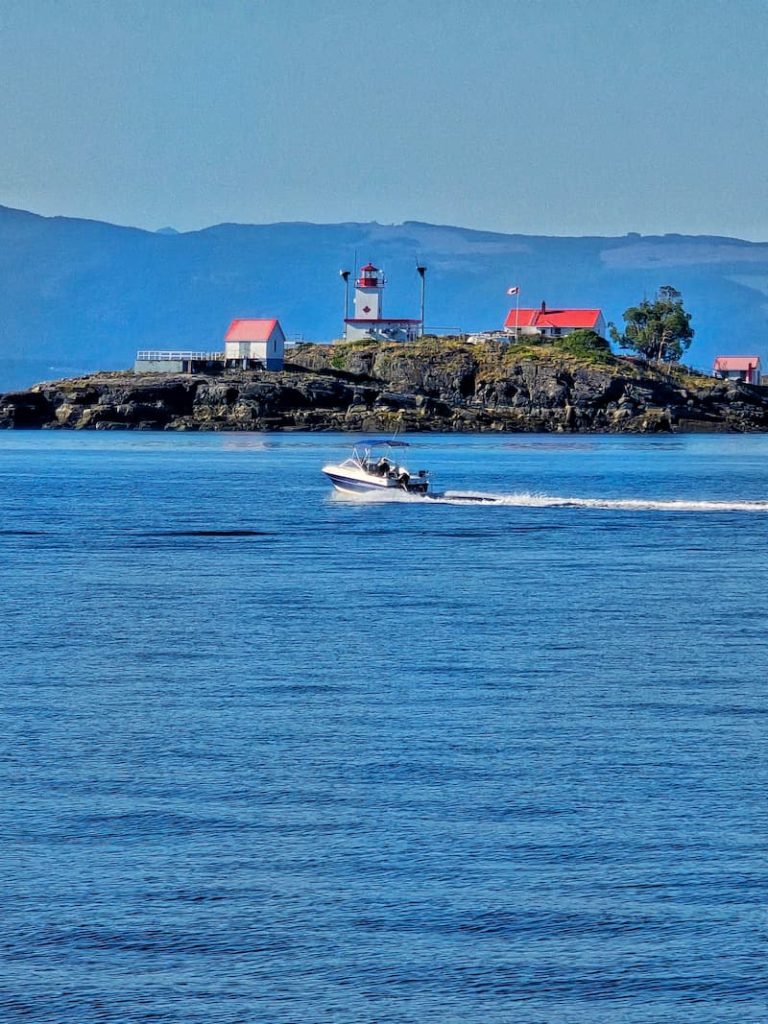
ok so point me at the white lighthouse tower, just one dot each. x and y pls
(369, 288)
(368, 323)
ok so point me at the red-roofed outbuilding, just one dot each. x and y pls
(253, 338)
(554, 323)
(746, 368)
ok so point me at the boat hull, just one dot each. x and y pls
(358, 482)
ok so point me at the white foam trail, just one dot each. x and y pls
(527, 499)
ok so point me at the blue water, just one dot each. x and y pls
(272, 756)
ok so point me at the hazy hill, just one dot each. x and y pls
(80, 295)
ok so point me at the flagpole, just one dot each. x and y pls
(515, 290)
(422, 272)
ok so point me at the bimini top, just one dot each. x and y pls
(378, 441)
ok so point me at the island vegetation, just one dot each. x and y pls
(659, 331)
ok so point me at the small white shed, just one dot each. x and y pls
(746, 368)
(256, 339)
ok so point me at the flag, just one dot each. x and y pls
(514, 291)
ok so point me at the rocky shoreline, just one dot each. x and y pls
(454, 387)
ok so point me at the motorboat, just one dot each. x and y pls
(374, 466)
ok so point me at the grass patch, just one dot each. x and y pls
(687, 377)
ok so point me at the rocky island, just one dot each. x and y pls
(429, 385)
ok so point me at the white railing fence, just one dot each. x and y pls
(152, 355)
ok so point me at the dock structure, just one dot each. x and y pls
(176, 361)
(249, 344)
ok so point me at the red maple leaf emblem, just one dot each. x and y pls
(366, 309)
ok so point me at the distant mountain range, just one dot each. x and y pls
(80, 295)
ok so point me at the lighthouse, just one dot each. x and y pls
(369, 289)
(368, 323)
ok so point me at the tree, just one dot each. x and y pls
(659, 330)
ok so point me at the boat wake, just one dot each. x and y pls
(527, 499)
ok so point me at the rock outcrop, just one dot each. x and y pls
(427, 386)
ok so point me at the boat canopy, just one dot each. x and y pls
(380, 441)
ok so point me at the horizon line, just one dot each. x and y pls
(168, 231)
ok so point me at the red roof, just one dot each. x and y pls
(251, 330)
(368, 268)
(541, 318)
(737, 362)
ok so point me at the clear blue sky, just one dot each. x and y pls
(538, 116)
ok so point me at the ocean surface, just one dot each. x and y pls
(270, 756)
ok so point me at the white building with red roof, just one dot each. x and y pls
(554, 323)
(369, 323)
(250, 339)
(746, 368)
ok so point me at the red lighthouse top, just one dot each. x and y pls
(369, 277)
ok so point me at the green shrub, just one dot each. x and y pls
(585, 345)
